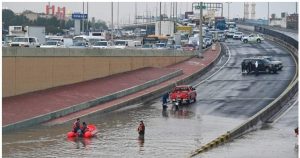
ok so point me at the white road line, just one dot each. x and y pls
(218, 70)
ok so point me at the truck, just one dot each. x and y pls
(183, 94)
(29, 31)
(220, 23)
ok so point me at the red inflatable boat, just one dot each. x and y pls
(91, 131)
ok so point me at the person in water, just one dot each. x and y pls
(84, 128)
(76, 125)
(141, 128)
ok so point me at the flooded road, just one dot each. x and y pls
(276, 140)
(167, 134)
(223, 102)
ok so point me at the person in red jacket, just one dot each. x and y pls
(76, 125)
(141, 128)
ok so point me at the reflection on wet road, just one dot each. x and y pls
(223, 102)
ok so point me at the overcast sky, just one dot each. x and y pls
(102, 10)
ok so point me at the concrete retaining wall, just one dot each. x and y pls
(31, 69)
(88, 104)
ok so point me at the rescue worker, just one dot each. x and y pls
(165, 100)
(83, 128)
(141, 128)
(256, 67)
(243, 67)
(76, 125)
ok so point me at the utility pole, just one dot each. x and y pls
(118, 17)
(82, 19)
(200, 32)
(87, 12)
(268, 16)
(159, 18)
(112, 21)
(135, 12)
(228, 10)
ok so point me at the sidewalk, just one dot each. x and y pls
(25, 107)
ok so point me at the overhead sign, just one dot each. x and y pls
(198, 7)
(79, 16)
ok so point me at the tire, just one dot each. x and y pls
(258, 41)
(245, 41)
(274, 71)
(194, 99)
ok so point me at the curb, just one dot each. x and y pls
(153, 94)
(88, 104)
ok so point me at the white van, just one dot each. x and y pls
(25, 42)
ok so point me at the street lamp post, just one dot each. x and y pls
(228, 10)
(200, 32)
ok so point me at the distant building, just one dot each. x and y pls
(30, 15)
(292, 21)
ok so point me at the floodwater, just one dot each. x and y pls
(276, 140)
(168, 133)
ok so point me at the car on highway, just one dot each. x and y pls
(208, 41)
(264, 65)
(147, 46)
(278, 64)
(80, 44)
(102, 44)
(188, 47)
(25, 42)
(230, 34)
(183, 94)
(253, 38)
(52, 44)
(238, 35)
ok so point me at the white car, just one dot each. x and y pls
(238, 35)
(53, 44)
(102, 44)
(253, 38)
(25, 42)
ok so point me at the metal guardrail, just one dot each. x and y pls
(276, 34)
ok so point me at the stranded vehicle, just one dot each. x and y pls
(253, 38)
(264, 65)
(183, 94)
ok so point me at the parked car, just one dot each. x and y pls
(264, 65)
(183, 94)
(52, 44)
(252, 38)
(25, 42)
(188, 47)
(238, 35)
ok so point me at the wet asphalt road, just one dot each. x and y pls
(272, 140)
(223, 102)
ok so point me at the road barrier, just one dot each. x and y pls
(270, 110)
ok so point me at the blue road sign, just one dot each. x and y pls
(79, 16)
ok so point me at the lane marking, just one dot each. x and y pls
(229, 53)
